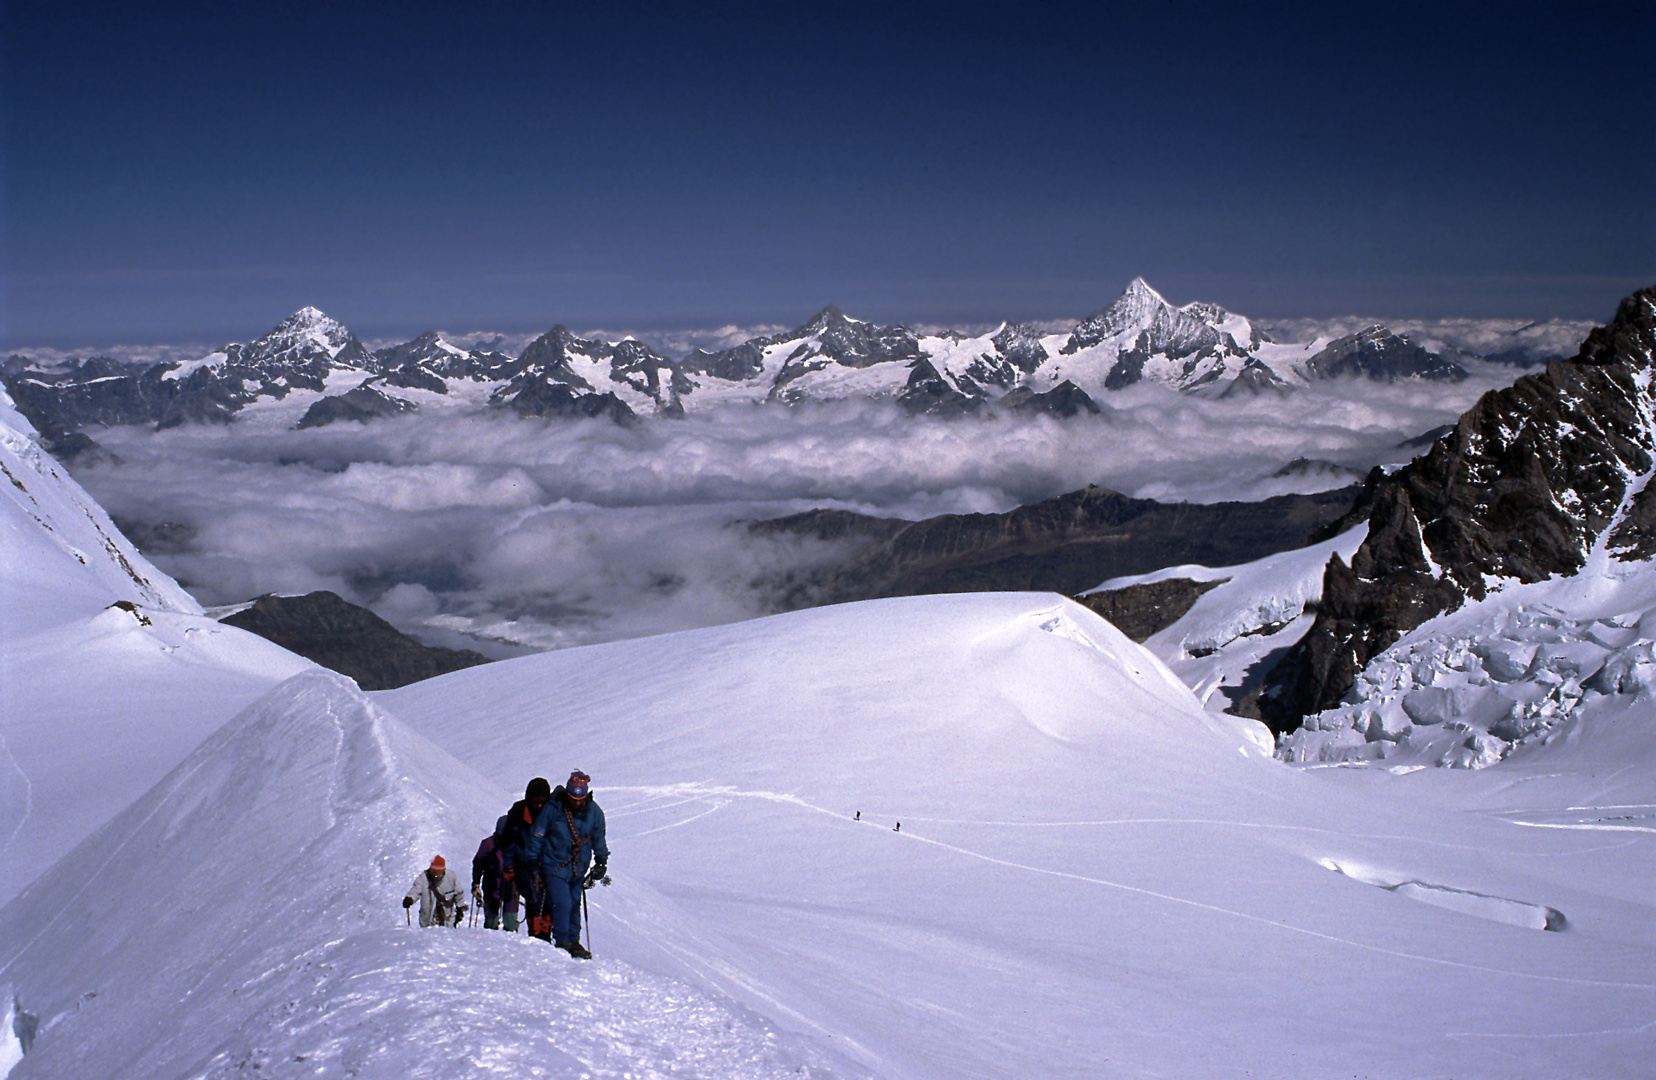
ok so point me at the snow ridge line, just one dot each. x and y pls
(1139, 890)
(338, 763)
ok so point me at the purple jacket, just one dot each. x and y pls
(486, 868)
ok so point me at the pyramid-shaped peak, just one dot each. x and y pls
(828, 316)
(309, 323)
(307, 318)
(1138, 287)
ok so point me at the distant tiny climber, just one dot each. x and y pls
(899, 827)
(438, 891)
(567, 838)
(858, 817)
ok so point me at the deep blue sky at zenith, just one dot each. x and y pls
(199, 170)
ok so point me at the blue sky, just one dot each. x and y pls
(197, 171)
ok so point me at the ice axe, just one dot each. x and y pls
(586, 919)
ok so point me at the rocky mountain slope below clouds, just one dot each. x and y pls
(1066, 544)
(1529, 480)
(324, 628)
(1139, 337)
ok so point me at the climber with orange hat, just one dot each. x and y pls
(439, 894)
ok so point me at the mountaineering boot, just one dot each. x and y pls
(579, 951)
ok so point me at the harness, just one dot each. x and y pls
(576, 840)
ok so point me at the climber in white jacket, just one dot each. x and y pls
(439, 894)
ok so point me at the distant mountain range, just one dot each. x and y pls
(1198, 348)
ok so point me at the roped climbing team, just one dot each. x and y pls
(548, 848)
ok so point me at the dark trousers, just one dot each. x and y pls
(504, 899)
(566, 908)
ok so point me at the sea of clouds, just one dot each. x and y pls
(505, 534)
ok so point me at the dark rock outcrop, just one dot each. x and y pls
(1255, 378)
(361, 404)
(1070, 543)
(832, 525)
(1142, 610)
(325, 628)
(1520, 489)
(1377, 353)
(1064, 400)
(529, 396)
(929, 392)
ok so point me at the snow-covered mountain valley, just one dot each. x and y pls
(948, 836)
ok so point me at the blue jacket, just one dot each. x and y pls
(560, 854)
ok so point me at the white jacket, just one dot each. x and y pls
(443, 901)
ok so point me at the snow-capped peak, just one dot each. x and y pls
(308, 325)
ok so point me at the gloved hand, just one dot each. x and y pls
(408, 901)
(477, 894)
(600, 872)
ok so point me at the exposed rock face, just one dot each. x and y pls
(362, 404)
(529, 395)
(1142, 610)
(1064, 400)
(928, 392)
(1021, 345)
(348, 639)
(1255, 378)
(1070, 543)
(1377, 353)
(1161, 327)
(1523, 486)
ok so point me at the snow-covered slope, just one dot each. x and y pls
(1077, 837)
(110, 671)
(1093, 876)
(60, 555)
(236, 921)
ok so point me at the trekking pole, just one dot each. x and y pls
(587, 919)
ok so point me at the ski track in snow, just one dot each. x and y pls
(794, 800)
(697, 793)
(68, 906)
(1550, 1034)
(28, 795)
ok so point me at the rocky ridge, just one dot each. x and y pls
(1520, 490)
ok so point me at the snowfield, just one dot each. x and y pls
(965, 836)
